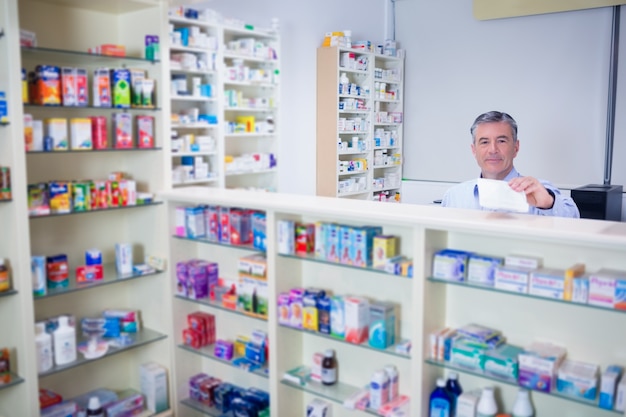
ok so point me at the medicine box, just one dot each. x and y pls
(253, 295)
(607, 288)
(345, 244)
(145, 131)
(382, 325)
(56, 134)
(467, 403)
(224, 222)
(124, 258)
(240, 227)
(608, 386)
(548, 282)
(284, 314)
(101, 88)
(337, 317)
(577, 379)
(254, 265)
(59, 195)
(514, 279)
(468, 355)
(356, 319)
(80, 134)
(481, 269)
(385, 248)
(538, 366)
(286, 237)
(620, 396)
(305, 238)
(310, 317)
(450, 264)
(120, 87)
(323, 314)
(362, 245)
(523, 261)
(295, 307)
(321, 229)
(332, 242)
(123, 130)
(153, 382)
(259, 228)
(319, 408)
(502, 362)
(194, 222)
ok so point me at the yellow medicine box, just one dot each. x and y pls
(385, 248)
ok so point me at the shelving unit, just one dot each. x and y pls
(225, 70)
(85, 25)
(229, 323)
(427, 304)
(359, 130)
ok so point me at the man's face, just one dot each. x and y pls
(494, 149)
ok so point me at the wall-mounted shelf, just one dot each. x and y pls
(209, 242)
(8, 293)
(207, 352)
(92, 151)
(156, 203)
(213, 304)
(204, 409)
(79, 57)
(15, 380)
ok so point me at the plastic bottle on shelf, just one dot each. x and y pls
(344, 82)
(94, 408)
(329, 368)
(522, 406)
(440, 404)
(454, 388)
(64, 342)
(487, 406)
(43, 344)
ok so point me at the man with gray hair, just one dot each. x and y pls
(495, 145)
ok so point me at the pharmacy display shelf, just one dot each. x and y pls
(250, 84)
(195, 126)
(479, 287)
(365, 345)
(354, 193)
(384, 100)
(203, 408)
(353, 96)
(313, 258)
(353, 132)
(80, 57)
(193, 98)
(208, 352)
(15, 380)
(8, 293)
(251, 109)
(388, 124)
(232, 55)
(141, 338)
(343, 174)
(337, 392)
(249, 30)
(209, 242)
(450, 366)
(253, 171)
(180, 48)
(195, 180)
(179, 154)
(249, 135)
(350, 152)
(90, 151)
(352, 71)
(90, 107)
(43, 216)
(354, 111)
(109, 276)
(218, 306)
(190, 22)
(386, 147)
(192, 72)
(386, 166)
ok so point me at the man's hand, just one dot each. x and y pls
(536, 194)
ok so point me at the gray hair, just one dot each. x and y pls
(495, 117)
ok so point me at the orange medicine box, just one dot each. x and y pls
(385, 248)
(48, 85)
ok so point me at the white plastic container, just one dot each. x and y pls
(522, 406)
(379, 389)
(43, 344)
(392, 373)
(64, 342)
(487, 406)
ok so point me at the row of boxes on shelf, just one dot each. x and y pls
(179, 86)
(250, 124)
(389, 74)
(220, 224)
(56, 197)
(5, 183)
(88, 133)
(525, 274)
(152, 397)
(200, 330)
(193, 116)
(351, 185)
(385, 138)
(191, 168)
(364, 246)
(193, 62)
(51, 272)
(191, 36)
(386, 157)
(353, 124)
(352, 104)
(350, 60)
(353, 319)
(235, 99)
(388, 117)
(347, 88)
(198, 279)
(49, 85)
(251, 47)
(390, 179)
(249, 162)
(386, 91)
(228, 398)
(352, 165)
(387, 196)
(192, 143)
(541, 366)
(240, 73)
(355, 144)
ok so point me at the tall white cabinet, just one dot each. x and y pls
(65, 31)
(237, 147)
(424, 304)
(359, 124)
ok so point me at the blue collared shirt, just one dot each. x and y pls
(465, 195)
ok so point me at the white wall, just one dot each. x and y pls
(302, 28)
